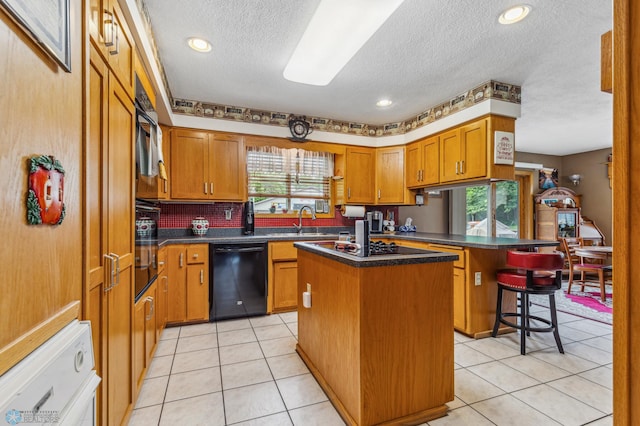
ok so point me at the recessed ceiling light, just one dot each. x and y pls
(337, 30)
(384, 103)
(199, 44)
(514, 14)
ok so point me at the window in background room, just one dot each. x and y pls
(281, 180)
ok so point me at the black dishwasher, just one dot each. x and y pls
(238, 280)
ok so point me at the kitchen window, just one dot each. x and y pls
(281, 181)
(490, 210)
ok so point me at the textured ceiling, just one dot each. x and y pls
(427, 52)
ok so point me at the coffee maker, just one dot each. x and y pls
(375, 221)
(247, 218)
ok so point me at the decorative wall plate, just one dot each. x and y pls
(46, 189)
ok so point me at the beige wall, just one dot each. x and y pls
(593, 187)
(432, 217)
(41, 113)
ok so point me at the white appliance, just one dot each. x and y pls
(55, 384)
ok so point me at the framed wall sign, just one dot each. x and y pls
(47, 22)
(504, 148)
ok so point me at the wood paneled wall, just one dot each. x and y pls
(626, 199)
(40, 113)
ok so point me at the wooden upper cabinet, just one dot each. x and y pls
(390, 185)
(464, 152)
(110, 35)
(207, 166)
(423, 162)
(359, 175)
(227, 170)
(473, 140)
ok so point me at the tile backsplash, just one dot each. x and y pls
(181, 215)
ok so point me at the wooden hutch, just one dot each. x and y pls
(558, 215)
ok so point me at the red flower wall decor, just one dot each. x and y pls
(46, 189)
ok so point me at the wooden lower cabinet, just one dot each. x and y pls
(188, 283)
(474, 305)
(145, 335)
(283, 277)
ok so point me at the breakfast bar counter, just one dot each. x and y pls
(378, 332)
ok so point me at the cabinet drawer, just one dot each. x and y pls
(283, 251)
(196, 254)
(459, 251)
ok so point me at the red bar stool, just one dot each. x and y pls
(534, 273)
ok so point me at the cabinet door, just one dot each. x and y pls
(473, 140)
(413, 163)
(359, 175)
(197, 292)
(189, 165)
(285, 286)
(95, 213)
(150, 336)
(139, 349)
(390, 187)
(120, 240)
(459, 299)
(227, 168)
(450, 156)
(122, 62)
(177, 276)
(96, 20)
(430, 173)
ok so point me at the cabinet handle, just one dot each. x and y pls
(152, 308)
(195, 255)
(201, 276)
(111, 33)
(165, 187)
(349, 193)
(379, 194)
(421, 175)
(108, 29)
(111, 273)
(166, 283)
(457, 165)
(117, 271)
(161, 263)
(211, 190)
(181, 260)
(462, 167)
(205, 187)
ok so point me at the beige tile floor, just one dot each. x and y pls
(246, 372)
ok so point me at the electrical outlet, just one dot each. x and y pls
(478, 278)
(227, 214)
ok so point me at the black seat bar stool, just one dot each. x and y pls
(531, 273)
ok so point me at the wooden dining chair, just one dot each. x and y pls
(593, 267)
(530, 273)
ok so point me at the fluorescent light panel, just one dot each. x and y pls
(338, 29)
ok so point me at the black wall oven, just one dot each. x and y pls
(146, 259)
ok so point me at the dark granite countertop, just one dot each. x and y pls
(325, 249)
(468, 240)
(426, 237)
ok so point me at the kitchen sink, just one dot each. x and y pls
(296, 234)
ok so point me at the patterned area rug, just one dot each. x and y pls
(583, 304)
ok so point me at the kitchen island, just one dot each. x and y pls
(378, 335)
(474, 274)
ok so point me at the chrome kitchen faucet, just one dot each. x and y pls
(299, 225)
